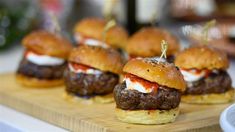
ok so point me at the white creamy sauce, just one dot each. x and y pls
(89, 41)
(77, 37)
(215, 71)
(88, 71)
(44, 59)
(136, 86)
(191, 77)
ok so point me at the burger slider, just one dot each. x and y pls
(44, 60)
(147, 43)
(90, 31)
(204, 70)
(150, 92)
(92, 73)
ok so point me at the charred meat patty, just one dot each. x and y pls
(164, 98)
(82, 84)
(30, 69)
(219, 82)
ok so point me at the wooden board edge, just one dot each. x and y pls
(69, 123)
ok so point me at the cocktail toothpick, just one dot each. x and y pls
(109, 25)
(205, 30)
(109, 6)
(164, 47)
(57, 29)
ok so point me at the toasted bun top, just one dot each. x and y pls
(201, 57)
(97, 57)
(44, 42)
(164, 73)
(94, 27)
(147, 42)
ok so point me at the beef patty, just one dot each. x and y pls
(82, 84)
(164, 98)
(215, 83)
(30, 69)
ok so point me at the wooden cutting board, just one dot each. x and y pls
(48, 105)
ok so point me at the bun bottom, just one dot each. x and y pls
(147, 116)
(37, 83)
(209, 98)
(96, 99)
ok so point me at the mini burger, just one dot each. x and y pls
(92, 73)
(89, 31)
(147, 43)
(44, 60)
(150, 92)
(204, 70)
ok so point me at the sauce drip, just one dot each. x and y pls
(132, 57)
(27, 52)
(83, 39)
(147, 84)
(198, 72)
(82, 67)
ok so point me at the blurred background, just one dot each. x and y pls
(184, 18)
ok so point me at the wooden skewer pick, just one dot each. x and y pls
(55, 23)
(205, 30)
(109, 25)
(164, 47)
(109, 6)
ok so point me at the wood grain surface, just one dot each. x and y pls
(49, 105)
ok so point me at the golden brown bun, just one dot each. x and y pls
(43, 42)
(96, 99)
(201, 57)
(147, 42)
(147, 116)
(209, 98)
(38, 83)
(165, 74)
(93, 27)
(98, 57)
